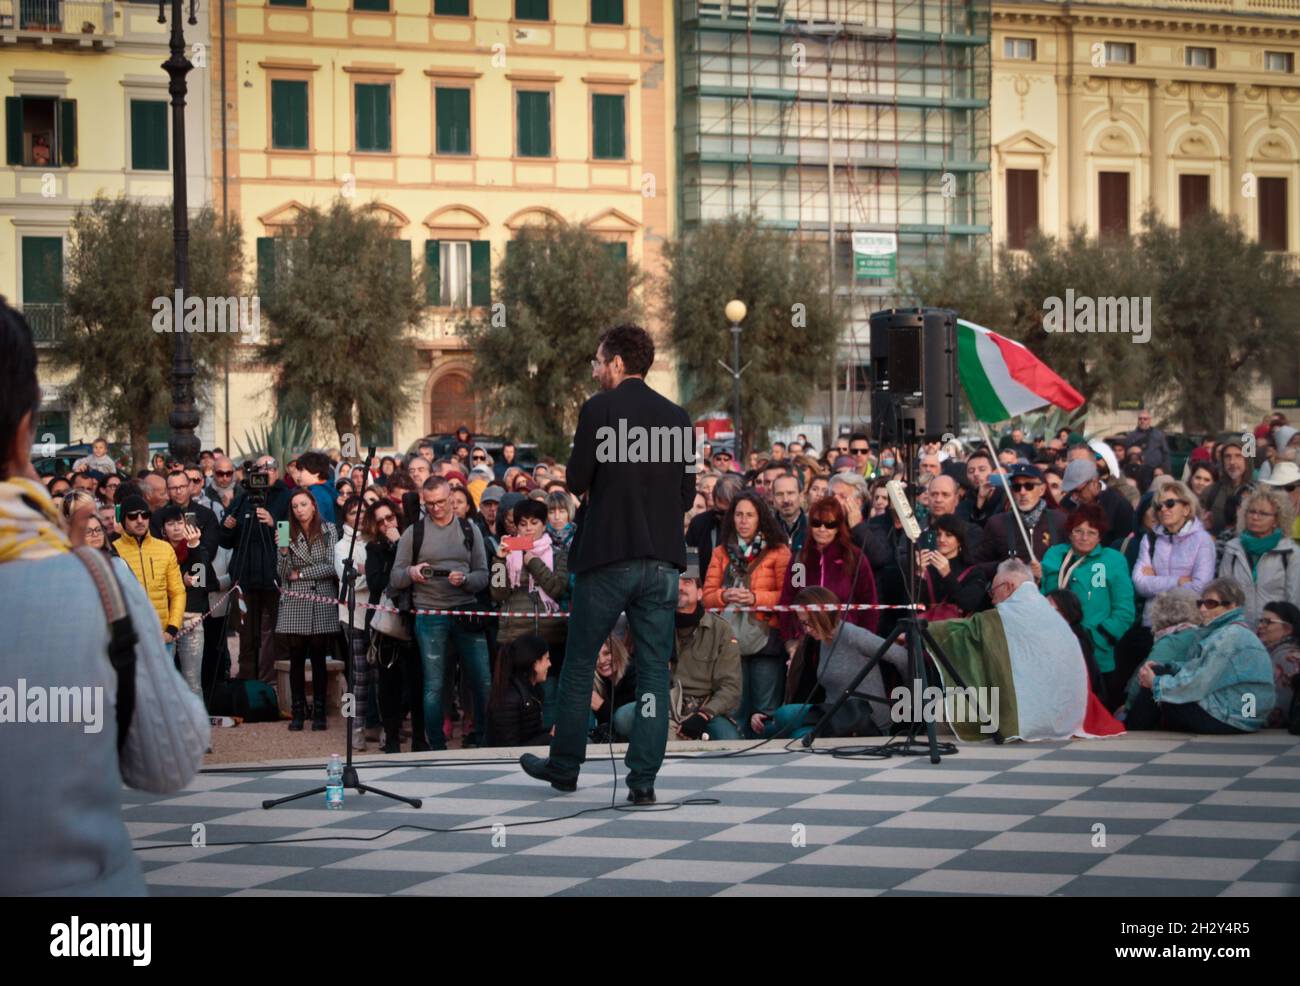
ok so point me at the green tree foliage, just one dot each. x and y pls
(557, 288)
(789, 331)
(1223, 311)
(1226, 311)
(120, 258)
(339, 298)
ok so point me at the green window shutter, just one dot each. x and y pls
(289, 114)
(480, 273)
(374, 5)
(532, 10)
(607, 11)
(14, 130)
(265, 265)
(534, 125)
(451, 8)
(42, 270)
(608, 138)
(67, 132)
(373, 126)
(452, 107)
(433, 272)
(148, 135)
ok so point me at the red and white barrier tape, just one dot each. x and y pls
(193, 625)
(825, 607)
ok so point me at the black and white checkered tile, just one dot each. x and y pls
(1141, 815)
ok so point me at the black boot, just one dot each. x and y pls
(318, 716)
(299, 709)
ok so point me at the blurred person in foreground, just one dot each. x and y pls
(61, 827)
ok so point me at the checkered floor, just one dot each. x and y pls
(1153, 814)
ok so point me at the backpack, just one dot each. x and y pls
(122, 636)
(404, 599)
(251, 701)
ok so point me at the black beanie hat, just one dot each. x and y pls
(135, 502)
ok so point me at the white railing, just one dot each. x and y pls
(57, 17)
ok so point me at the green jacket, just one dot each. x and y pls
(708, 667)
(1105, 590)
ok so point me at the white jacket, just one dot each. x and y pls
(1276, 579)
(359, 566)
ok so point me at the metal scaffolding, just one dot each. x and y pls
(831, 117)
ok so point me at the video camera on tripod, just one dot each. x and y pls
(256, 483)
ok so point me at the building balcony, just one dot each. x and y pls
(46, 321)
(58, 22)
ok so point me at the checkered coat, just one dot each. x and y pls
(315, 565)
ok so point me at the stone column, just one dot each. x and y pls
(1157, 139)
(1237, 150)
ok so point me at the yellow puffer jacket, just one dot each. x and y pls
(154, 564)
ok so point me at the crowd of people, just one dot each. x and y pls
(1108, 533)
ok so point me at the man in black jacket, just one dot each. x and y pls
(249, 530)
(626, 554)
(1002, 535)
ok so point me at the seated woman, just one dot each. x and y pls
(1279, 631)
(1226, 686)
(1099, 577)
(1261, 558)
(613, 689)
(951, 584)
(515, 708)
(1067, 604)
(1176, 624)
(833, 653)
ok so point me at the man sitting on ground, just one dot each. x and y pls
(1026, 651)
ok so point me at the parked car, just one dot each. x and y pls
(445, 445)
(52, 459)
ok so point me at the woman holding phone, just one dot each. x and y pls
(307, 628)
(530, 574)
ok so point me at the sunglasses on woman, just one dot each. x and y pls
(1268, 623)
(1170, 504)
(1210, 604)
(827, 524)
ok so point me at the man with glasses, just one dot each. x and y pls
(1152, 441)
(722, 461)
(153, 563)
(180, 491)
(249, 530)
(860, 450)
(224, 489)
(1223, 498)
(1025, 650)
(447, 569)
(1002, 535)
(841, 445)
(626, 557)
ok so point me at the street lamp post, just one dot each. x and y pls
(184, 416)
(735, 312)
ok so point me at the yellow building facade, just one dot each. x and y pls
(461, 122)
(86, 112)
(1100, 109)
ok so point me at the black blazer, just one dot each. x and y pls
(632, 509)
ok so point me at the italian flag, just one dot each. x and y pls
(1003, 379)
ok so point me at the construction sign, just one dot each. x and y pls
(875, 255)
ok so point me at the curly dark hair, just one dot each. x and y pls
(631, 342)
(771, 529)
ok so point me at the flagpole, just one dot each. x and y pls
(1006, 486)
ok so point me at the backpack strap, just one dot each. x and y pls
(467, 532)
(122, 635)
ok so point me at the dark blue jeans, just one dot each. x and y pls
(647, 591)
(431, 633)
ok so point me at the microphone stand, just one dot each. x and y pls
(350, 779)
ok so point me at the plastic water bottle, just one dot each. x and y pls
(334, 783)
